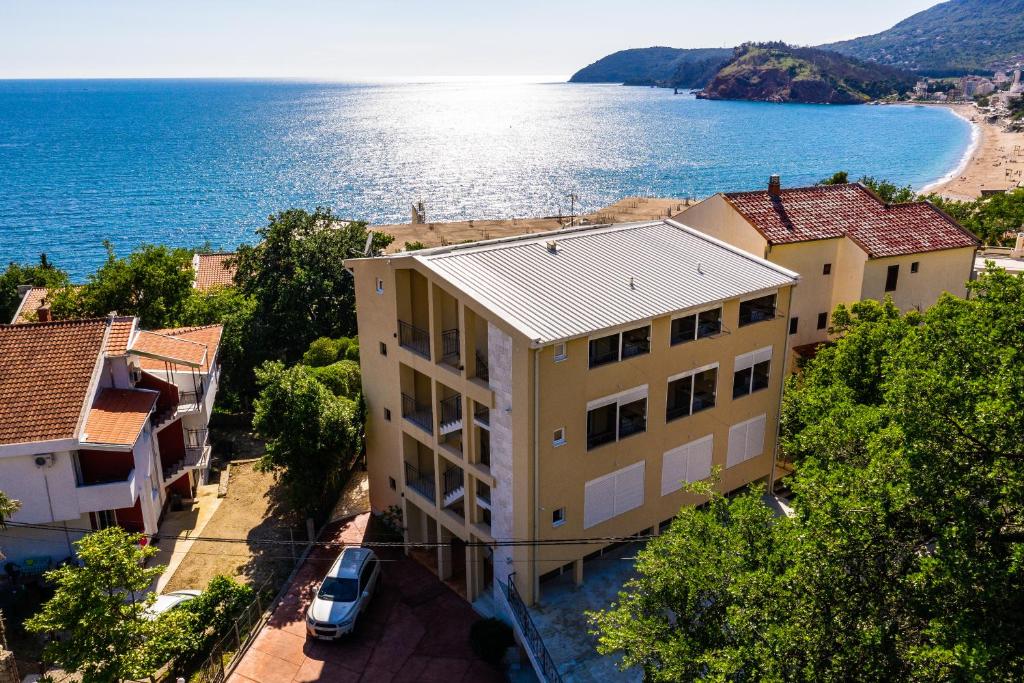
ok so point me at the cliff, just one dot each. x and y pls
(665, 66)
(776, 72)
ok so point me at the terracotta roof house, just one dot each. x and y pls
(846, 243)
(213, 270)
(99, 426)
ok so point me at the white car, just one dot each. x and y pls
(344, 593)
(168, 601)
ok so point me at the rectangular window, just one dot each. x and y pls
(636, 342)
(604, 350)
(616, 417)
(691, 393)
(751, 372)
(793, 322)
(613, 494)
(822, 321)
(709, 323)
(387, 414)
(684, 329)
(687, 463)
(560, 353)
(558, 517)
(892, 276)
(383, 349)
(746, 441)
(827, 269)
(558, 437)
(392, 483)
(914, 266)
(380, 286)
(757, 310)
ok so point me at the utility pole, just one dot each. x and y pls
(572, 208)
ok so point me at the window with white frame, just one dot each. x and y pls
(696, 326)
(558, 437)
(746, 441)
(560, 352)
(613, 494)
(691, 392)
(615, 417)
(757, 310)
(686, 464)
(612, 348)
(751, 372)
(558, 517)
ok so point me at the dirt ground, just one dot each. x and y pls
(252, 511)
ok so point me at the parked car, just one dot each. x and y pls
(344, 593)
(169, 601)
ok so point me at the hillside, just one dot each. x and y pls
(776, 72)
(949, 38)
(667, 66)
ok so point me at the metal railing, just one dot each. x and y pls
(421, 483)
(450, 352)
(481, 367)
(482, 414)
(533, 640)
(238, 634)
(419, 414)
(485, 451)
(451, 409)
(453, 480)
(413, 338)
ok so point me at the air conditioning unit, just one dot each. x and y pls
(45, 460)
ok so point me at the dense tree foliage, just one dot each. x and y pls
(995, 219)
(97, 610)
(8, 506)
(888, 192)
(153, 283)
(299, 287)
(42, 274)
(310, 431)
(904, 559)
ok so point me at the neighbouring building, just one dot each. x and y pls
(564, 385)
(847, 245)
(101, 423)
(213, 270)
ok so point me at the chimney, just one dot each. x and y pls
(43, 314)
(775, 185)
(1018, 247)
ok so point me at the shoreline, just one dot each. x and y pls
(994, 161)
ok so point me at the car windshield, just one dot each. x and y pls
(339, 590)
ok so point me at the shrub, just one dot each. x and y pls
(342, 378)
(490, 638)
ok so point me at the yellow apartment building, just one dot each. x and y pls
(846, 244)
(563, 386)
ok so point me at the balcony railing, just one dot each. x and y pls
(482, 414)
(481, 367)
(534, 642)
(450, 352)
(422, 484)
(419, 414)
(415, 339)
(485, 451)
(451, 412)
(453, 480)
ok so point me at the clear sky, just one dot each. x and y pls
(396, 39)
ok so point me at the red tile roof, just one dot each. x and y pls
(30, 303)
(163, 348)
(118, 415)
(120, 334)
(211, 270)
(45, 374)
(803, 214)
(207, 335)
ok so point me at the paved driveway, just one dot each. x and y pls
(416, 629)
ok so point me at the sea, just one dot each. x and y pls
(188, 162)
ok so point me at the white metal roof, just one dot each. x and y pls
(600, 278)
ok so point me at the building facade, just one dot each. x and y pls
(101, 423)
(846, 244)
(564, 386)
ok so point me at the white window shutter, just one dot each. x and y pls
(698, 464)
(673, 469)
(598, 500)
(755, 437)
(629, 488)
(737, 445)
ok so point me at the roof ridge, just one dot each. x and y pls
(171, 337)
(56, 323)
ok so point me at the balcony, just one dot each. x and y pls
(454, 486)
(451, 414)
(111, 495)
(482, 416)
(451, 353)
(421, 483)
(414, 339)
(419, 414)
(481, 367)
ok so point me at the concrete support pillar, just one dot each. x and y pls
(473, 571)
(444, 553)
(407, 524)
(577, 572)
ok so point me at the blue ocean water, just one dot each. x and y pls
(184, 162)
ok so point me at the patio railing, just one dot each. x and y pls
(414, 338)
(533, 640)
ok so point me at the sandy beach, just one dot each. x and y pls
(995, 163)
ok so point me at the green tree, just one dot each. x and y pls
(8, 506)
(300, 288)
(96, 608)
(153, 283)
(995, 219)
(43, 274)
(310, 433)
(342, 378)
(837, 178)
